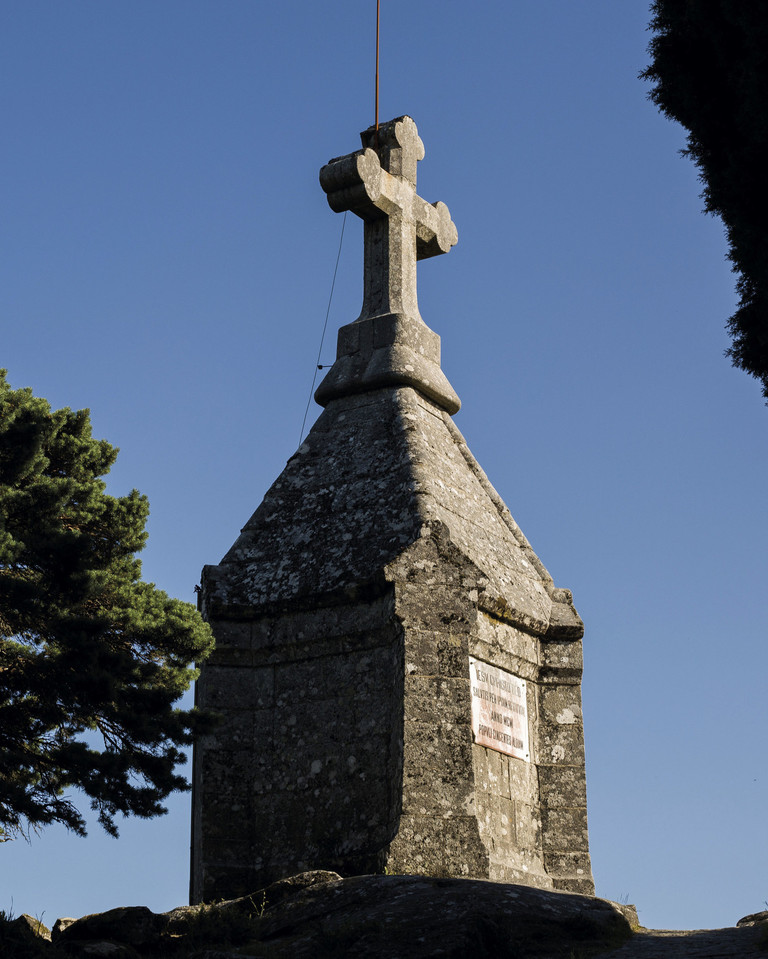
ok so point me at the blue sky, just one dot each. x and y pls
(166, 261)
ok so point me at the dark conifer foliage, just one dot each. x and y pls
(710, 69)
(92, 659)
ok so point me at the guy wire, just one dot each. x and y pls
(325, 327)
(378, 9)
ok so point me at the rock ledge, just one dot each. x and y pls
(318, 914)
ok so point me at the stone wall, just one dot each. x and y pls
(307, 765)
(469, 809)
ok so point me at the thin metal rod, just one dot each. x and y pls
(325, 327)
(378, 10)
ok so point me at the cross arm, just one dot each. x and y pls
(435, 230)
(357, 182)
(353, 182)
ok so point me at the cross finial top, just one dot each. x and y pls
(389, 343)
(398, 145)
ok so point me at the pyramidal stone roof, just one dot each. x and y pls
(378, 471)
(384, 465)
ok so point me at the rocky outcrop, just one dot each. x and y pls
(318, 914)
(754, 919)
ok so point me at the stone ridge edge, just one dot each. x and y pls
(367, 591)
(566, 622)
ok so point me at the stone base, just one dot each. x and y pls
(389, 350)
(346, 615)
(348, 744)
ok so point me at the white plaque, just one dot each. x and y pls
(499, 709)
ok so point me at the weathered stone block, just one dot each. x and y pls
(295, 682)
(433, 846)
(559, 656)
(528, 826)
(560, 744)
(575, 865)
(565, 829)
(436, 768)
(437, 700)
(490, 769)
(502, 823)
(503, 640)
(523, 779)
(451, 653)
(562, 786)
(583, 887)
(560, 705)
(236, 635)
(438, 610)
(231, 687)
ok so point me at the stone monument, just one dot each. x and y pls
(398, 676)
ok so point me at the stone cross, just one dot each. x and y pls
(378, 183)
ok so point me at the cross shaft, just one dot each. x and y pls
(400, 227)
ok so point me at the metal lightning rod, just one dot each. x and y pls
(378, 10)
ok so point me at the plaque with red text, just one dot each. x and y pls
(499, 709)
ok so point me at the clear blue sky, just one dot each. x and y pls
(166, 260)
